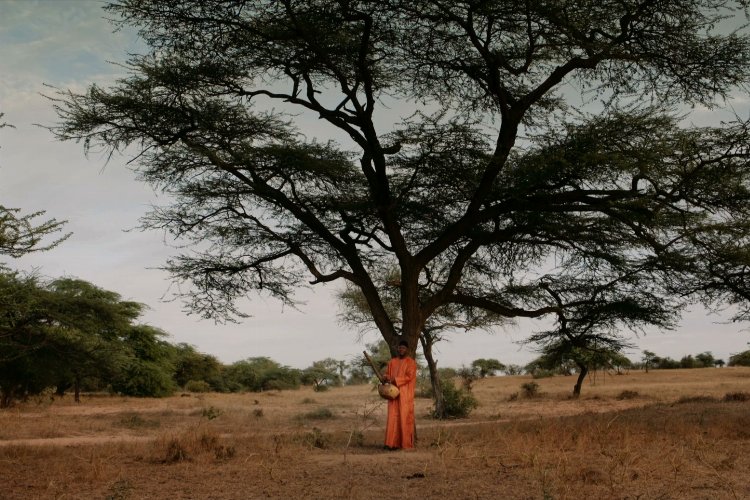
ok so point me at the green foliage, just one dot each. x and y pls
(458, 403)
(487, 367)
(260, 374)
(191, 365)
(740, 359)
(69, 333)
(23, 234)
(322, 374)
(197, 386)
(640, 211)
(666, 363)
(211, 413)
(513, 369)
(149, 370)
(690, 362)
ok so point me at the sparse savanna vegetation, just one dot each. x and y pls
(663, 434)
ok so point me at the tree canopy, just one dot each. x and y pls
(66, 332)
(497, 195)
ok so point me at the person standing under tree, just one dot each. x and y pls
(400, 426)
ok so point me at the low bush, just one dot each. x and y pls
(458, 403)
(197, 386)
(530, 389)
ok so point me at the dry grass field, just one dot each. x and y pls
(661, 435)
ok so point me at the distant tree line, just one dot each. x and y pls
(69, 336)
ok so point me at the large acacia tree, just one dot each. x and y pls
(495, 196)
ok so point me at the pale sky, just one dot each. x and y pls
(68, 44)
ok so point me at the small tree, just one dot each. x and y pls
(649, 360)
(513, 369)
(705, 359)
(458, 403)
(321, 374)
(740, 359)
(487, 366)
(587, 357)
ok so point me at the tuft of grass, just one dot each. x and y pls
(120, 490)
(737, 396)
(192, 445)
(258, 412)
(530, 389)
(174, 451)
(308, 401)
(696, 399)
(135, 421)
(319, 414)
(211, 413)
(317, 439)
(626, 394)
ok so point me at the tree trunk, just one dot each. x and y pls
(437, 391)
(6, 397)
(77, 389)
(581, 376)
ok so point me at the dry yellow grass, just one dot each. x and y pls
(673, 437)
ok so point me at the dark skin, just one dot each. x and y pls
(402, 350)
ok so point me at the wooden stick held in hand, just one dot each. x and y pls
(374, 368)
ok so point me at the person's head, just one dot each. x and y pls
(403, 348)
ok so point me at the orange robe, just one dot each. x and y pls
(399, 428)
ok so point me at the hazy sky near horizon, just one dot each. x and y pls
(69, 45)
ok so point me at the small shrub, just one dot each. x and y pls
(317, 439)
(191, 445)
(258, 412)
(321, 388)
(513, 397)
(356, 438)
(458, 403)
(197, 386)
(627, 395)
(135, 421)
(319, 414)
(224, 452)
(211, 413)
(175, 452)
(696, 399)
(530, 389)
(120, 490)
(737, 396)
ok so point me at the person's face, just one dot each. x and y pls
(402, 350)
